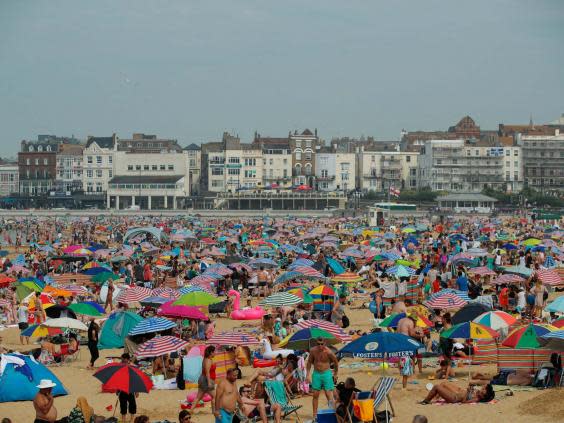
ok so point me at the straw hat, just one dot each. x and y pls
(46, 383)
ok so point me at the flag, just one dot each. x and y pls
(395, 192)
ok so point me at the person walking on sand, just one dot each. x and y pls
(407, 326)
(322, 378)
(110, 296)
(227, 397)
(93, 333)
(206, 381)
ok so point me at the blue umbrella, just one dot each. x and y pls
(96, 270)
(3, 253)
(400, 271)
(557, 306)
(288, 276)
(151, 325)
(381, 345)
(302, 262)
(188, 289)
(95, 305)
(509, 246)
(553, 340)
(266, 262)
(154, 301)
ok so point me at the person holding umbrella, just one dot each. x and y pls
(321, 358)
(127, 401)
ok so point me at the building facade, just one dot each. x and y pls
(98, 164)
(69, 168)
(9, 178)
(513, 168)
(303, 147)
(543, 161)
(194, 153)
(37, 165)
(380, 170)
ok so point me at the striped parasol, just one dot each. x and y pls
(332, 328)
(151, 325)
(239, 266)
(308, 271)
(219, 269)
(233, 339)
(302, 262)
(507, 279)
(549, 277)
(347, 277)
(75, 289)
(400, 271)
(202, 279)
(526, 336)
(133, 295)
(194, 288)
(165, 292)
(160, 345)
(496, 319)
(447, 300)
(281, 299)
(482, 271)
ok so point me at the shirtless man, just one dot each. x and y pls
(45, 411)
(226, 398)
(407, 327)
(255, 407)
(320, 357)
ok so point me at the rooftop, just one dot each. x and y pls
(192, 147)
(466, 196)
(103, 142)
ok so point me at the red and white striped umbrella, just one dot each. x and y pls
(160, 345)
(132, 295)
(165, 292)
(308, 271)
(508, 279)
(240, 266)
(549, 277)
(75, 289)
(448, 300)
(332, 328)
(220, 270)
(482, 271)
(233, 339)
(202, 279)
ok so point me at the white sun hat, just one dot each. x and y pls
(46, 383)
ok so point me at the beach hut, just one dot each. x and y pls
(20, 375)
(116, 328)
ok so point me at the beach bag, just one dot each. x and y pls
(364, 409)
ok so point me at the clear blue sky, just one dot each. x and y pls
(191, 69)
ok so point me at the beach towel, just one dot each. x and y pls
(192, 364)
(224, 360)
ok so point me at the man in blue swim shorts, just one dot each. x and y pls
(322, 378)
(226, 398)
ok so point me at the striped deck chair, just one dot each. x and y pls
(382, 392)
(276, 392)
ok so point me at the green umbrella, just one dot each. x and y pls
(85, 309)
(22, 291)
(31, 285)
(304, 339)
(197, 299)
(104, 277)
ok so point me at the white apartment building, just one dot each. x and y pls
(69, 168)
(277, 166)
(9, 179)
(380, 170)
(194, 153)
(335, 171)
(513, 168)
(98, 164)
(543, 161)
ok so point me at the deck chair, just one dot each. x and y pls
(276, 392)
(382, 392)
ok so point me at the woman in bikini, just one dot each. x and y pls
(453, 394)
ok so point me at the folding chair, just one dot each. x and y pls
(382, 392)
(363, 395)
(276, 392)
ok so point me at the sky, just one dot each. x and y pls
(192, 69)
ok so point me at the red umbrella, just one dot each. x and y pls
(123, 377)
(303, 188)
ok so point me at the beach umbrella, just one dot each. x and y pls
(123, 377)
(193, 288)
(496, 319)
(133, 295)
(510, 246)
(104, 277)
(40, 331)
(304, 339)
(165, 292)
(197, 298)
(400, 271)
(288, 276)
(352, 252)
(186, 312)
(380, 345)
(347, 277)
(239, 266)
(327, 326)
(3, 253)
(309, 271)
(556, 306)
(31, 285)
(301, 292)
(93, 271)
(469, 312)
(151, 325)
(323, 290)
(5, 280)
(447, 300)
(263, 262)
(553, 340)
(233, 339)
(160, 345)
(518, 270)
(393, 319)
(65, 323)
(558, 323)
(508, 279)
(531, 242)
(281, 299)
(302, 262)
(470, 330)
(86, 309)
(549, 277)
(409, 230)
(462, 258)
(119, 258)
(482, 271)
(526, 336)
(56, 311)
(477, 252)
(22, 291)
(154, 301)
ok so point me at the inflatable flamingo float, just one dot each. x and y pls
(270, 354)
(247, 313)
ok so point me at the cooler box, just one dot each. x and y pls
(326, 416)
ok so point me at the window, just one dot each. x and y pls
(308, 156)
(298, 169)
(252, 162)
(324, 173)
(515, 152)
(137, 167)
(234, 160)
(154, 167)
(298, 143)
(507, 152)
(162, 167)
(344, 176)
(516, 163)
(507, 163)
(98, 173)
(298, 155)
(308, 169)
(285, 173)
(89, 173)
(507, 176)
(27, 162)
(110, 159)
(89, 159)
(110, 173)
(129, 167)
(170, 167)
(217, 183)
(98, 187)
(40, 148)
(217, 171)
(477, 152)
(250, 173)
(285, 161)
(408, 159)
(308, 143)
(98, 159)
(233, 172)
(516, 176)
(145, 167)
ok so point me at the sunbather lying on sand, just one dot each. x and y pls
(455, 394)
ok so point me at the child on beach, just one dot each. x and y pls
(407, 367)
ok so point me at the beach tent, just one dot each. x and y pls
(116, 328)
(20, 375)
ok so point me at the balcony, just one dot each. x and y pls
(370, 176)
(326, 178)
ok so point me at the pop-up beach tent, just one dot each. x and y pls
(116, 328)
